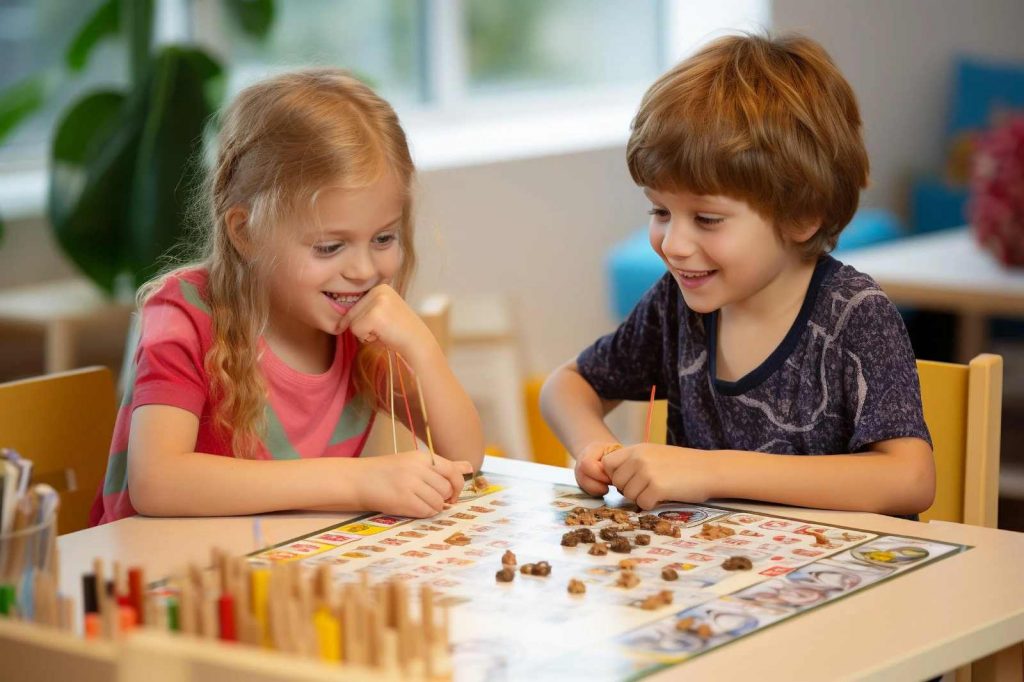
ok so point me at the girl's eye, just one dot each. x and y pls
(708, 220)
(385, 239)
(660, 214)
(327, 249)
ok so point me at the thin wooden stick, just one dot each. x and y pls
(408, 411)
(650, 413)
(426, 422)
(391, 399)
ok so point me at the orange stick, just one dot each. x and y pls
(408, 411)
(650, 413)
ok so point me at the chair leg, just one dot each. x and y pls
(1003, 666)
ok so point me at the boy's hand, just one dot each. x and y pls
(650, 474)
(382, 315)
(590, 473)
(406, 484)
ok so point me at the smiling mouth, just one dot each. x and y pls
(693, 274)
(344, 299)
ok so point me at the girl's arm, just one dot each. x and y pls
(574, 411)
(167, 478)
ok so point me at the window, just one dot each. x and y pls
(33, 36)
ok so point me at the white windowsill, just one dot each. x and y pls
(436, 142)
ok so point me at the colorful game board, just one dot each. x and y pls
(532, 628)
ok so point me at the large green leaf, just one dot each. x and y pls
(169, 164)
(255, 17)
(21, 100)
(93, 156)
(105, 22)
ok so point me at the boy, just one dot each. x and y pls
(767, 348)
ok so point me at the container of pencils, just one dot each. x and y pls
(28, 571)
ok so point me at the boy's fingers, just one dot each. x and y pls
(613, 460)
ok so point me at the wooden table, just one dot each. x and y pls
(947, 271)
(918, 626)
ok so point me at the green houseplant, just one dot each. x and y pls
(123, 161)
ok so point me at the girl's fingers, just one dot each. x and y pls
(613, 460)
(431, 498)
(634, 488)
(463, 467)
(439, 482)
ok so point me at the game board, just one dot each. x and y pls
(532, 628)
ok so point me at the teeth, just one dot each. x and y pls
(344, 298)
(694, 275)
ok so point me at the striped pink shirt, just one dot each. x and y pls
(306, 415)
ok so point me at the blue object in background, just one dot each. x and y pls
(633, 267)
(980, 90)
(936, 205)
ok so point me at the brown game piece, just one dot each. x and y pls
(703, 631)
(508, 558)
(570, 539)
(715, 531)
(505, 575)
(460, 539)
(603, 513)
(526, 569)
(627, 580)
(608, 533)
(819, 539)
(684, 624)
(656, 601)
(586, 517)
(627, 564)
(669, 573)
(571, 519)
(737, 563)
(598, 549)
(642, 539)
(648, 521)
(480, 484)
(663, 527)
(585, 535)
(576, 586)
(542, 568)
(620, 516)
(620, 545)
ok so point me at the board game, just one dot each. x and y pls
(686, 579)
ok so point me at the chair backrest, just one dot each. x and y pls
(962, 408)
(62, 422)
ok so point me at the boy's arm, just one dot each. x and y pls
(895, 476)
(574, 410)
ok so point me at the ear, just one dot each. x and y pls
(805, 230)
(236, 221)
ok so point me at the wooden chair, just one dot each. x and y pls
(963, 407)
(62, 422)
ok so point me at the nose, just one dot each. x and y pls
(676, 242)
(358, 268)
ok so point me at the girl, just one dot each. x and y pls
(273, 351)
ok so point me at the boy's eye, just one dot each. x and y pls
(328, 249)
(659, 214)
(708, 220)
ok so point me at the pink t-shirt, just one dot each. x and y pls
(306, 415)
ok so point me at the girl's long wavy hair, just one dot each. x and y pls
(281, 141)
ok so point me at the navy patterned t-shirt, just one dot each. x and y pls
(844, 376)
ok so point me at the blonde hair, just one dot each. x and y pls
(281, 141)
(770, 121)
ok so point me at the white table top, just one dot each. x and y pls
(942, 269)
(926, 622)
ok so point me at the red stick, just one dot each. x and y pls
(650, 413)
(135, 592)
(226, 609)
(408, 412)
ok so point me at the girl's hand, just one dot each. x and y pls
(382, 315)
(407, 484)
(590, 472)
(650, 474)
